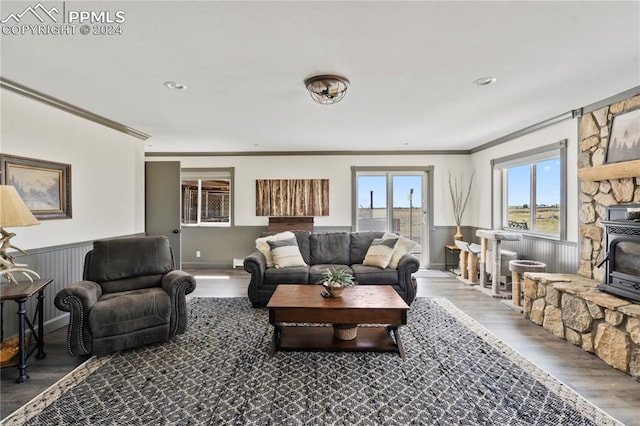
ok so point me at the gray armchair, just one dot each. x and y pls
(131, 295)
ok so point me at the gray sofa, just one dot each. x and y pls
(322, 251)
(131, 295)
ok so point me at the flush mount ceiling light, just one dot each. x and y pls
(175, 85)
(484, 81)
(327, 89)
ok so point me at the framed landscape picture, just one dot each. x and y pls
(45, 186)
(624, 137)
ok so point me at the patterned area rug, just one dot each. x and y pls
(219, 372)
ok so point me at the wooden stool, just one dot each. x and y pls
(472, 262)
(468, 262)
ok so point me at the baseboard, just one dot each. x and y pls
(49, 326)
(56, 323)
(206, 265)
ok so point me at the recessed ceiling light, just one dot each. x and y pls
(484, 81)
(175, 85)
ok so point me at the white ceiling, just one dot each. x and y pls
(411, 67)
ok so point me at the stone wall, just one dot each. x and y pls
(596, 196)
(572, 308)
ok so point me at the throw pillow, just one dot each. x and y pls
(380, 252)
(285, 253)
(263, 246)
(403, 247)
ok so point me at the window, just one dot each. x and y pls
(207, 197)
(534, 191)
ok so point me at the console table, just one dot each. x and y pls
(20, 293)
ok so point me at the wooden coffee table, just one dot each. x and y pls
(362, 304)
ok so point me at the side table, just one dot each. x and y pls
(20, 293)
(451, 257)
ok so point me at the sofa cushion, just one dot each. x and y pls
(316, 271)
(380, 252)
(303, 244)
(292, 275)
(360, 242)
(129, 311)
(263, 246)
(403, 246)
(331, 248)
(366, 275)
(285, 253)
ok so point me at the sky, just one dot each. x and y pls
(547, 175)
(547, 184)
(402, 185)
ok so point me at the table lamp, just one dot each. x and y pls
(13, 212)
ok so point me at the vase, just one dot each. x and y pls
(345, 331)
(333, 291)
(458, 235)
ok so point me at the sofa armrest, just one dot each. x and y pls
(78, 299)
(178, 284)
(255, 264)
(407, 265)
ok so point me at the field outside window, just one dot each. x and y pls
(533, 198)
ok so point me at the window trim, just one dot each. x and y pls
(546, 152)
(211, 173)
(428, 243)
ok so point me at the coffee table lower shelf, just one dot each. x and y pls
(321, 338)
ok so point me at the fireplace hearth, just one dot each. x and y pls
(622, 273)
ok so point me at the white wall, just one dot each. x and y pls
(335, 168)
(107, 171)
(568, 129)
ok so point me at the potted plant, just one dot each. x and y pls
(336, 280)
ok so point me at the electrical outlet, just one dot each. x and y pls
(197, 253)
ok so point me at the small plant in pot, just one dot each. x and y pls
(336, 280)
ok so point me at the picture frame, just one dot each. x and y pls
(45, 186)
(624, 137)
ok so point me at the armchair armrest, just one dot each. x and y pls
(255, 264)
(177, 284)
(408, 265)
(78, 299)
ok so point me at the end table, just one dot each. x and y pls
(20, 293)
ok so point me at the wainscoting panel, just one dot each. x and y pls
(442, 236)
(559, 256)
(64, 264)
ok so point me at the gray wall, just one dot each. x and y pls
(219, 246)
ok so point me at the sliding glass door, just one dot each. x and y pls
(392, 201)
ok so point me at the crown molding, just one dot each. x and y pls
(71, 109)
(299, 153)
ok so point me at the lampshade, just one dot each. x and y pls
(13, 211)
(327, 89)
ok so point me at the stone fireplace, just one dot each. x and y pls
(599, 308)
(600, 192)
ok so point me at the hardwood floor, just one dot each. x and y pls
(611, 390)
